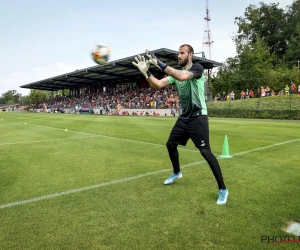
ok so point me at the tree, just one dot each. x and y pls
(253, 60)
(292, 55)
(38, 96)
(267, 46)
(25, 100)
(269, 23)
(12, 95)
(63, 92)
(224, 79)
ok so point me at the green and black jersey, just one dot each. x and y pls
(191, 93)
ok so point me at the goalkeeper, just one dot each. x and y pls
(193, 121)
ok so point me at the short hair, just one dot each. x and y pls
(190, 48)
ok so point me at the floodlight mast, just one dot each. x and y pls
(207, 37)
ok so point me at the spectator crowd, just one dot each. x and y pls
(260, 92)
(144, 98)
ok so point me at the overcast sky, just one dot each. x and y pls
(41, 38)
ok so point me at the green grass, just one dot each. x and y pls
(131, 208)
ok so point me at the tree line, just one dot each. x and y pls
(267, 50)
(35, 96)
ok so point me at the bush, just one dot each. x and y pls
(275, 107)
(262, 114)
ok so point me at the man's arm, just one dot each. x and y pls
(178, 74)
(158, 84)
(143, 66)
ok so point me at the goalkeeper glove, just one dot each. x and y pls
(143, 65)
(154, 60)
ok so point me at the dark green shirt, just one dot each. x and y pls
(191, 93)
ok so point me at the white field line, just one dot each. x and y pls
(270, 146)
(49, 196)
(91, 135)
(25, 142)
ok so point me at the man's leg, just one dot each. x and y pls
(214, 166)
(174, 156)
(199, 132)
(177, 136)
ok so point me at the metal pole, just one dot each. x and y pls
(258, 97)
(291, 97)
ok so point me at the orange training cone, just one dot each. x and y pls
(225, 151)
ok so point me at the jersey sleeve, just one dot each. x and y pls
(171, 80)
(197, 70)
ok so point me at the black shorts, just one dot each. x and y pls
(195, 128)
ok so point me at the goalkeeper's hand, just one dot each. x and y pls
(154, 60)
(143, 65)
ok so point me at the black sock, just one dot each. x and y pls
(174, 157)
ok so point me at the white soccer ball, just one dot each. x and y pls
(101, 54)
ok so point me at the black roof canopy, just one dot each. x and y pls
(121, 69)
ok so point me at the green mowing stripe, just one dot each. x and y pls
(125, 179)
(119, 138)
(89, 187)
(91, 136)
(25, 142)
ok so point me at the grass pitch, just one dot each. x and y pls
(96, 182)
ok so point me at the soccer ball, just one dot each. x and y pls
(101, 54)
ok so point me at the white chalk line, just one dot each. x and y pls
(91, 187)
(49, 196)
(91, 135)
(25, 142)
(265, 147)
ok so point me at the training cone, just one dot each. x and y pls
(225, 150)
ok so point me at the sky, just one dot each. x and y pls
(42, 39)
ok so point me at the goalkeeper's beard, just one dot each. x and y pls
(183, 63)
